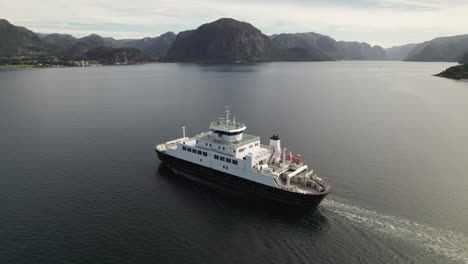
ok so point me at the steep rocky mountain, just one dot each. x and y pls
(440, 49)
(156, 47)
(304, 47)
(313, 46)
(107, 55)
(19, 40)
(224, 40)
(399, 52)
(361, 51)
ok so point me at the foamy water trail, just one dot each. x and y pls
(436, 241)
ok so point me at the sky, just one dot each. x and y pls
(378, 22)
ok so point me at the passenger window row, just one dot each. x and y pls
(193, 150)
(216, 157)
(228, 160)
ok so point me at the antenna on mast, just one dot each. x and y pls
(228, 112)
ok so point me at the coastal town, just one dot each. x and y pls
(39, 61)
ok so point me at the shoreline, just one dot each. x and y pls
(27, 66)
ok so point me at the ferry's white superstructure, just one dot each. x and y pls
(226, 155)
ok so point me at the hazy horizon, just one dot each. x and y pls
(380, 22)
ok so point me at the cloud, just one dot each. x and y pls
(384, 22)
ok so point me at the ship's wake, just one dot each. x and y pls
(433, 240)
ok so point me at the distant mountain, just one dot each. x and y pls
(361, 51)
(464, 59)
(156, 47)
(95, 40)
(78, 49)
(313, 46)
(19, 40)
(107, 55)
(399, 52)
(68, 45)
(440, 49)
(41, 35)
(229, 40)
(60, 40)
(304, 47)
(224, 40)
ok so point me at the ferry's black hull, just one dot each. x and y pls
(234, 185)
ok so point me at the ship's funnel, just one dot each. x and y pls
(275, 145)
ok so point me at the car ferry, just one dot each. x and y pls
(228, 159)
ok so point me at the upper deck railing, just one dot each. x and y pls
(246, 139)
(231, 125)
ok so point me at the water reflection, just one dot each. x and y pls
(226, 68)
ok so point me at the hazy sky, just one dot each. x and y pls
(378, 22)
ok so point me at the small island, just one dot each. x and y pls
(458, 72)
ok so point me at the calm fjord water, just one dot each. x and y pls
(80, 182)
